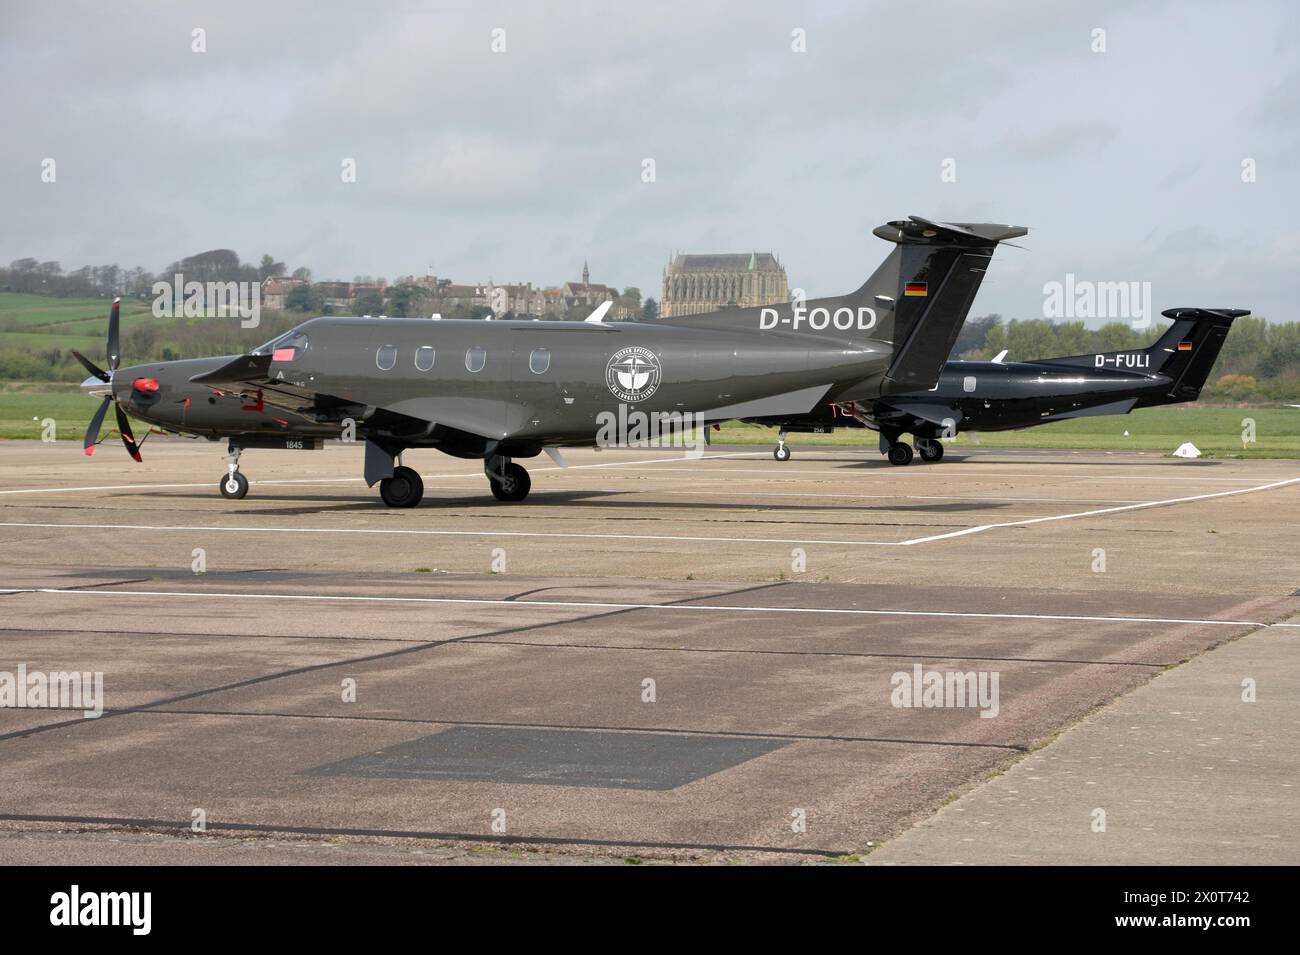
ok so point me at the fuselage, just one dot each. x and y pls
(528, 382)
(999, 396)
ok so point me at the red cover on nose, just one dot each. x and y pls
(283, 354)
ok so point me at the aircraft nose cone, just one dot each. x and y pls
(94, 387)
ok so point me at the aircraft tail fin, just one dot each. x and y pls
(1187, 350)
(914, 303)
(925, 290)
(1185, 353)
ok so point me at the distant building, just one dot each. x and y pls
(521, 300)
(586, 294)
(706, 283)
(275, 289)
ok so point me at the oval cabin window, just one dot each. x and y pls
(424, 357)
(539, 361)
(386, 357)
(475, 359)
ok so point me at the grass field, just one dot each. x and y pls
(1215, 431)
(28, 315)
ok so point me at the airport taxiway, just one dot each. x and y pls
(653, 656)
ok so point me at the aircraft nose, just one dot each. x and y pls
(93, 387)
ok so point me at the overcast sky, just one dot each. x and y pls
(1126, 165)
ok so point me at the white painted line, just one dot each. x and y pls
(1103, 510)
(340, 480)
(258, 529)
(585, 605)
(433, 533)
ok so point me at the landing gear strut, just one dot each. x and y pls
(404, 489)
(234, 485)
(782, 453)
(931, 449)
(509, 481)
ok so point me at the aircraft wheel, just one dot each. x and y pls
(404, 489)
(931, 450)
(233, 486)
(900, 453)
(782, 453)
(514, 484)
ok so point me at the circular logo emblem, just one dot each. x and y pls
(633, 373)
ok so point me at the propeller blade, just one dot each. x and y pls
(92, 433)
(90, 366)
(124, 429)
(114, 351)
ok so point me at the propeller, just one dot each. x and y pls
(114, 360)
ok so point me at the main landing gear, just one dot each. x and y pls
(900, 452)
(509, 481)
(931, 449)
(404, 489)
(234, 485)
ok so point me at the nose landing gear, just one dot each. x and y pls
(782, 453)
(234, 485)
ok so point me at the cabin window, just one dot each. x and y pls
(386, 357)
(539, 361)
(968, 384)
(475, 359)
(424, 356)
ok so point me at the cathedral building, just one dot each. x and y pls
(707, 283)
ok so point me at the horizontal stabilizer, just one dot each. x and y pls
(1206, 314)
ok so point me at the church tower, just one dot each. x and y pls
(586, 275)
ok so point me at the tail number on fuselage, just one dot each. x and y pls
(1123, 360)
(819, 318)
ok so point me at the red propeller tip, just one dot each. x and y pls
(90, 450)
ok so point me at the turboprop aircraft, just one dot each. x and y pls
(501, 390)
(1000, 395)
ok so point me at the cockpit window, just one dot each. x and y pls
(288, 347)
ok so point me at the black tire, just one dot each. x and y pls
(233, 486)
(900, 453)
(404, 489)
(514, 484)
(782, 453)
(931, 451)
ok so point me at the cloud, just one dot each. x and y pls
(523, 163)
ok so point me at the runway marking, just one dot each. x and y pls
(340, 480)
(964, 532)
(586, 605)
(439, 533)
(1103, 510)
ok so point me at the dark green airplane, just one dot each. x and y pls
(1003, 395)
(501, 390)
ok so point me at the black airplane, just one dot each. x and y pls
(500, 390)
(1002, 396)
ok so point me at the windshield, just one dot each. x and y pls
(293, 339)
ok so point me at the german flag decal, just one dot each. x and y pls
(1184, 346)
(920, 289)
